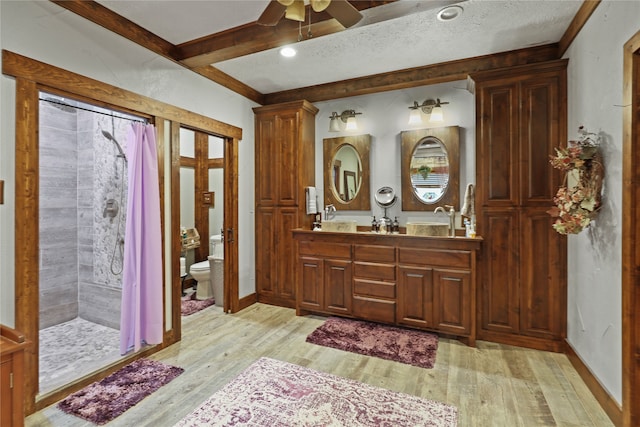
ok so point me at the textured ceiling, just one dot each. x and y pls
(413, 40)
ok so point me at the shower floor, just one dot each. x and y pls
(73, 349)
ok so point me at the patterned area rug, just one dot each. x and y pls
(372, 339)
(279, 394)
(103, 401)
(190, 304)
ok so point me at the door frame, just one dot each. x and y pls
(631, 234)
(31, 77)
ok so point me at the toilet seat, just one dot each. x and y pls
(200, 266)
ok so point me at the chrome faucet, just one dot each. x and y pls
(452, 218)
(329, 212)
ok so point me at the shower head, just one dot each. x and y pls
(111, 138)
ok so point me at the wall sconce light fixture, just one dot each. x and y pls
(347, 116)
(431, 107)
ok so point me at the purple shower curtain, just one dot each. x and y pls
(141, 314)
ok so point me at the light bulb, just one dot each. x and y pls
(415, 117)
(436, 115)
(351, 124)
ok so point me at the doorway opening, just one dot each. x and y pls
(83, 203)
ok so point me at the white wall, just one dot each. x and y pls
(384, 116)
(594, 263)
(43, 31)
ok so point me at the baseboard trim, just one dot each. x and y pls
(610, 406)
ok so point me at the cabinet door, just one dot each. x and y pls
(501, 281)
(337, 286)
(6, 371)
(452, 301)
(266, 272)
(542, 269)
(497, 151)
(539, 135)
(287, 166)
(415, 296)
(266, 161)
(311, 292)
(285, 252)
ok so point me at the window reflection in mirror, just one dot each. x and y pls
(429, 170)
(346, 172)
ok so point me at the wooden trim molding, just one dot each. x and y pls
(581, 18)
(631, 233)
(41, 73)
(609, 405)
(418, 76)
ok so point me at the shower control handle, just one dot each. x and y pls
(111, 209)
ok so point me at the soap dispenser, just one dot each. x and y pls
(395, 226)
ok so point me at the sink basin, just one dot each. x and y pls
(349, 226)
(427, 229)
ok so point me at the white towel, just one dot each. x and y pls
(468, 209)
(312, 207)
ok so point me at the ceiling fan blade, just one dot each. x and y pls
(319, 5)
(272, 14)
(344, 13)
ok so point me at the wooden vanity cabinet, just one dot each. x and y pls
(427, 283)
(12, 347)
(284, 166)
(374, 282)
(325, 278)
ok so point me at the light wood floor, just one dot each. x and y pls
(491, 385)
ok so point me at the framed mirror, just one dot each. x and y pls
(346, 172)
(430, 168)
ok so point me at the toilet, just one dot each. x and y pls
(201, 272)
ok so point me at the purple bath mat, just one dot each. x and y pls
(190, 304)
(373, 339)
(105, 400)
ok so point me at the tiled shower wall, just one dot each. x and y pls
(58, 212)
(79, 171)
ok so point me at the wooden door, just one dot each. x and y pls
(6, 390)
(284, 255)
(266, 161)
(497, 148)
(543, 303)
(499, 288)
(415, 296)
(337, 286)
(265, 251)
(451, 301)
(310, 276)
(286, 161)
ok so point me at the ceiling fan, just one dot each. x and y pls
(341, 10)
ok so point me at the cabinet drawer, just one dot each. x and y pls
(323, 249)
(374, 271)
(371, 253)
(376, 310)
(374, 289)
(445, 258)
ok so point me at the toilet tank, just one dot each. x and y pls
(215, 246)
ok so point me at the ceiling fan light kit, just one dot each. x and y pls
(341, 10)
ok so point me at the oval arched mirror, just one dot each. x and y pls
(346, 172)
(430, 168)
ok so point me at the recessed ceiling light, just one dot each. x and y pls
(449, 13)
(288, 52)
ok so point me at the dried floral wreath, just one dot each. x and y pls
(579, 197)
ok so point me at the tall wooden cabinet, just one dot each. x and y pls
(521, 117)
(285, 165)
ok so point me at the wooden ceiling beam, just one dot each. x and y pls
(118, 24)
(253, 37)
(413, 77)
